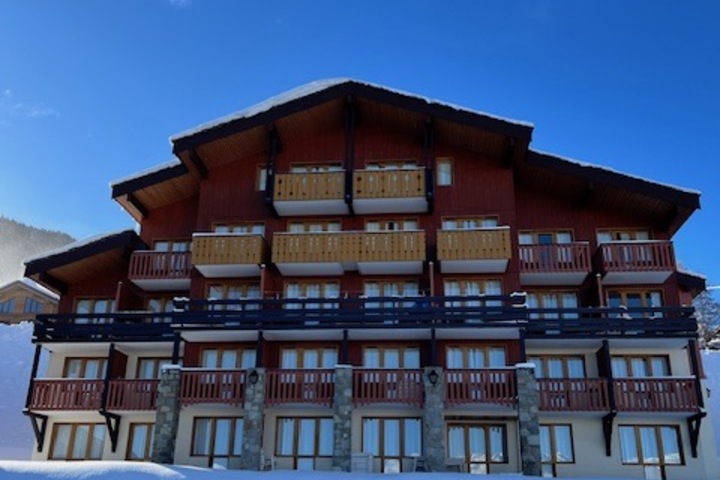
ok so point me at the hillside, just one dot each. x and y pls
(19, 241)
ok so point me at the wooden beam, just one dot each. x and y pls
(273, 147)
(135, 202)
(350, 119)
(53, 282)
(198, 162)
(33, 374)
(509, 152)
(587, 194)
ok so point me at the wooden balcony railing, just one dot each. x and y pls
(406, 183)
(655, 394)
(337, 247)
(557, 258)
(374, 386)
(309, 186)
(636, 256)
(212, 386)
(228, 249)
(66, 394)
(313, 386)
(486, 386)
(574, 394)
(138, 394)
(152, 265)
(477, 244)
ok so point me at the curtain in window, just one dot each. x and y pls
(444, 173)
(671, 449)
(139, 441)
(628, 447)
(497, 357)
(648, 443)
(61, 442)
(391, 358)
(391, 433)
(472, 289)
(619, 368)
(221, 446)
(329, 358)
(478, 450)
(545, 445)
(411, 358)
(325, 445)
(639, 367)
(497, 444)
(539, 370)
(492, 287)
(238, 437)
(413, 437)
(371, 358)
(201, 442)
(550, 300)
(311, 359)
(659, 367)
(210, 358)
(454, 358)
(79, 447)
(449, 225)
(456, 442)
(489, 222)
(555, 367)
(576, 368)
(285, 436)
(229, 359)
(247, 359)
(569, 300)
(563, 444)
(289, 358)
(306, 437)
(371, 436)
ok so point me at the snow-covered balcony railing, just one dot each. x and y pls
(669, 394)
(310, 193)
(221, 255)
(491, 386)
(311, 386)
(372, 386)
(126, 325)
(66, 394)
(648, 261)
(153, 270)
(565, 263)
(132, 394)
(212, 386)
(574, 394)
(403, 190)
(479, 250)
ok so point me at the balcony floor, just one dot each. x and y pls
(161, 284)
(651, 278)
(298, 208)
(474, 266)
(364, 206)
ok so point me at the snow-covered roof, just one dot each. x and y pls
(318, 86)
(682, 269)
(74, 246)
(148, 171)
(40, 288)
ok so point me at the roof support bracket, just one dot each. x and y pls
(39, 426)
(273, 147)
(135, 202)
(607, 423)
(587, 194)
(199, 163)
(694, 423)
(350, 119)
(509, 154)
(112, 422)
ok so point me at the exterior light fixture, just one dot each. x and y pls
(253, 377)
(433, 377)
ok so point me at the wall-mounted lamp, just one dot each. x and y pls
(433, 377)
(253, 377)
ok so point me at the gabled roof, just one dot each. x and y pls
(32, 286)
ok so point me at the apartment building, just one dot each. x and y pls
(351, 277)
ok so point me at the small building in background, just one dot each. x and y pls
(23, 299)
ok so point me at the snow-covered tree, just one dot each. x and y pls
(707, 312)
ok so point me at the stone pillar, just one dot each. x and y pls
(342, 418)
(528, 421)
(434, 420)
(253, 422)
(167, 415)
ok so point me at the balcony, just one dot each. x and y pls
(390, 191)
(138, 394)
(307, 386)
(226, 387)
(387, 386)
(557, 264)
(642, 262)
(480, 387)
(313, 193)
(66, 394)
(574, 394)
(332, 253)
(154, 271)
(229, 254)
(483, 250)
(656, 395)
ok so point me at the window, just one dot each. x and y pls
(234, 291)
(314, 226)
(391, 357)
(390, 289)
(219, 439)
(8, 306)
(172, 245)
(242, 227)
(391, 440)
(140, 441)
(472, 288)
(558, 366)
(463, 356)
(469, 223)
(312, 290)
(479, 446)
(31, 306)
(149, 368)
(304, 439)
(77, 441)
(545, 238)
(308, 357)
(87, 306)
(622, 235)
(160, 305)
(444, 172)
(556, 447)
(552, 300)
(228, 358)
(391, 224)
(392, 165)
(636, 299)
(261, 178)
(640, 366)
(653, 446)
(85, 368)
(316, 167)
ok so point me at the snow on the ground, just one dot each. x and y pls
(711, 364)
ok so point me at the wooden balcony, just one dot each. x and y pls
(306, 386)
(66, 394)
(138, 394)
(387, 386)
(642, 262)
(332, 253)
(655, 394)
(558, 264)
(153, 271)
(482, 250)
(574, 394)
(311, 193)
(474, 387)
(390, 191)
(228, 255)
(212, 387)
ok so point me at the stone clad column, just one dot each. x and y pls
(167, 415)
(342, 418)
(528, 421)
(253, 422)
(434, 420)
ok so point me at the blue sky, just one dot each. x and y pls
(90, 91)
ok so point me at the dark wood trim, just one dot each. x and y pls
(52, 282)
(39, 425)
(349, 166)
(433, 349)
(112, 422)
(259, 346)
(33, 374)
(198, 162)
(345, 348)
(176, 349)
(693, 350)
(694, 423)
(139, 206)
(106, 378)
(607, 423)
(273, 147)
(148, 180)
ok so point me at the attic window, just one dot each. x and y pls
(444, 172)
